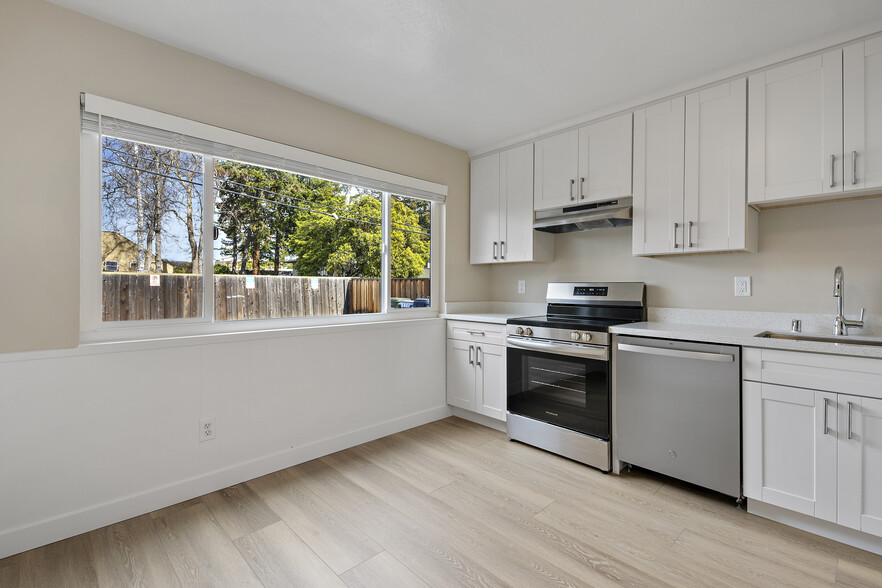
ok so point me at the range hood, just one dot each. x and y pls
(585, 217)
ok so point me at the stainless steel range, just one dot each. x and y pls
(558, 374)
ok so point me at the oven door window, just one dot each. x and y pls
(565, 391)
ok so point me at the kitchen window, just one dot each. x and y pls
(190, 229)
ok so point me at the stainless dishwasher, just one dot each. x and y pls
(678, 410)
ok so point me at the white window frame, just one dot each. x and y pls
(94, 330)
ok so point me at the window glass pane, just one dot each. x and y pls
(293, 246)
(411, 240)
(151, 232)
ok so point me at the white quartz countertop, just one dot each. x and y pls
(745, 337)
(498, 318)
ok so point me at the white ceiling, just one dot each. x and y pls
(476, 73)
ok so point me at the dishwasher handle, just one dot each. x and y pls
(681, 353)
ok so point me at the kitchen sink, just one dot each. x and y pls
(845, 339)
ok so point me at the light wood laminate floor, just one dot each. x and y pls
(450, 503)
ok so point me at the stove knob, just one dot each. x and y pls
(519, 330)
(575, 336)
(586, 336)
(528, 332)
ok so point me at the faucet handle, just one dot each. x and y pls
(862, 316)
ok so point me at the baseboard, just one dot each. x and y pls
(74, 523)
(479, 418)
(826, 529)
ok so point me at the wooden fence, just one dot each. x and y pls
(130, 296)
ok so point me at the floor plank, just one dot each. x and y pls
(382, 571)
(65, 563)
(130, 553)
(335, 539)
(200, 552)
(280, 558)
(9, 571)
(239, 511)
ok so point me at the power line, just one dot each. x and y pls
(147, 171)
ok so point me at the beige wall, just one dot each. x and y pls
(792, 272)
(48, 55)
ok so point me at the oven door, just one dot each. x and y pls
(560, 383)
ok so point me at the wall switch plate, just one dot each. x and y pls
(522, 286)
(207, 429)
(742, 286)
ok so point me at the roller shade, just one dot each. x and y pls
(123, 121)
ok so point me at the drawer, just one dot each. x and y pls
(476, 332)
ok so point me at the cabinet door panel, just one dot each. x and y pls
(795, 128)
(716, 152)
(556, 170)
(860, 463)
(461, 374)
(605, 154)
(798, 456)
(491, 381)
(862, 94)
(516, 211)
(484, 208)
(658, 177)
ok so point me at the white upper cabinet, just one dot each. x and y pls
(862, 129)
(588, 164)
(659, 136)
(815, 129)
(501, 209)
(795, 129)
(689, 174)
(605, 154)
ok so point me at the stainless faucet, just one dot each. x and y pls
(841, 324)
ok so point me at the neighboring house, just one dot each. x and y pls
(124, 252)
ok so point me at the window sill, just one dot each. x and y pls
(119, 338)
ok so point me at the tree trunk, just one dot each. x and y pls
(141, 218)
(256, 267)
(277, 255)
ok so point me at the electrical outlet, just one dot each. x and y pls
(207, 429)
(742, 286)
(522, 286)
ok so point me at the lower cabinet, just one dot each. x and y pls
(476, 375)
(816, 452)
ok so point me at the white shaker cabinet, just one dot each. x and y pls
(815, 128)
(812, 439)
(689, 174)
(860, 463)
(862, 121)
(501, 209)
(588, 164)
(476, 367)
(792, 431)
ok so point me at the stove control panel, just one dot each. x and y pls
(577, 336)
(590, 290)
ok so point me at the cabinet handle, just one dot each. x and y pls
(572, 186)
(690, 243)
(502, 249)
(495, 245)
(478, 356)
(476, 333)
(471, 350)
(582, 189)
(832, 170)
(826, 409)
(676, 225)
(848, 430)
(853, 168)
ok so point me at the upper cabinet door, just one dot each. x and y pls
(605, 153)
(862, 94)
(556, 171)
(795, 130)
(516, 215)
(484, 209)
(658, 178)
(716, 160)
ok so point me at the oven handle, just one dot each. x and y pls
(586, 351)
(701, 355)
